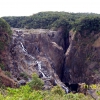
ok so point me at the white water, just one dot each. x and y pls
(65, 88)
(26, 51)
(38, 62)
(39, 68)
(23, 47)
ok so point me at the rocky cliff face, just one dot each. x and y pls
(43, 52)
(82, 63)
(40, 51)
(5, 34)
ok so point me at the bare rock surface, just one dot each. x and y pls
(82, 62)
(37, 51)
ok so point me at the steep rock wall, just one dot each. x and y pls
(82, 63)
(40, 51)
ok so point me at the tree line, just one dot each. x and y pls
(54, 20)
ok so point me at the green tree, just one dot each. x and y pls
(36, 82)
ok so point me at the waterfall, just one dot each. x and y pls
(62, 85)
(33, 58)
(38, 62)
(39, 68)
(65, 88)
(30, 64)
(23, 47)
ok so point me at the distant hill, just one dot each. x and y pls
(48, 20)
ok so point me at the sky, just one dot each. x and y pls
(29, 7)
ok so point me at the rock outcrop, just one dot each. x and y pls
(82, 63)
(5, 80)
(43, 52)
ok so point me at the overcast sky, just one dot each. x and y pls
(29, 7)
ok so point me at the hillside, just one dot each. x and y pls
(63, 49)
(5, 34)
(47, 20)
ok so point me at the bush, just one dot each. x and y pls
(4, 27)
(26, 93)
(36, 82)
(57, 90)
(24, 75)
(2, 66)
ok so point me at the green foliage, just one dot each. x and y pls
(57, 90)
(4, 26)
(23, 93)
(5, 33)
(2, 44)
(24, 75)
(98, 93)
(2, 66)
(87, 24)
(26, 93)
(36, 82)
(48, 20)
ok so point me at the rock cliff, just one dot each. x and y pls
(40, 51)
(82, 62)
(43, 51)
(5, 35)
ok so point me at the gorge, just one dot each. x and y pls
(39, 51)
(42, 51)
(65, 56)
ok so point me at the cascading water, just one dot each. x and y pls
(29, 64)
(23, 47)
(39, 69)
(33, 58)
(25, 51)
(62, 85)
(65, 88)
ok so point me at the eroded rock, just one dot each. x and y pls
(41, 52)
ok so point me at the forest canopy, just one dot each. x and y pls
(48, 20)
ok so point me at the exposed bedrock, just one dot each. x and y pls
(57, 57)
(82, 62)
(40, 51)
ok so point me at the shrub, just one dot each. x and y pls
(24, 75)
(4, 27)
(2, 66)
(57, 90)
(36, 82)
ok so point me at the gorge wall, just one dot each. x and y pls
(82, 62)
(40, 51)
(56, 59)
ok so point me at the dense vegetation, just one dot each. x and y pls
(5, 33)
(88, 23)
(4, 27)
(33, 91)
(26, 93)
(49, 20)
